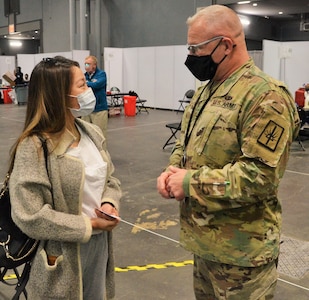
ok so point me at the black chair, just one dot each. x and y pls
(174, 128)
(185, 100)
(304, 131)
(140, 105)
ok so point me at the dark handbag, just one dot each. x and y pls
(16, 248)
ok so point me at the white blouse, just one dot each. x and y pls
(95, 173)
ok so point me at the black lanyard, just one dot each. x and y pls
(189, 133)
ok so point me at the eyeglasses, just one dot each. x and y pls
(49, 60)
(194, 48)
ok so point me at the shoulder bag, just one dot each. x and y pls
(16, 248)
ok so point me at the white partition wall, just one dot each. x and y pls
(7, 64)
(28, 61)
(146, 75)
(183, 78)
(113, 66)
(157, 74)
(130, 69)
(271, 59)
(295, 69)
(164, 80)
(288, 62)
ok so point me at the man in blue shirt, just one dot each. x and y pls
(96, 79)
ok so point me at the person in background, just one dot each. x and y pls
(19, 76)
(96, 79)
(57, 205)
(226, 167)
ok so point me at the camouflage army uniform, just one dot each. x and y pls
(236, 154)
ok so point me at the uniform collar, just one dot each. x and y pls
(227, 85)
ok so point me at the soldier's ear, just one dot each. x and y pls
(229, 45)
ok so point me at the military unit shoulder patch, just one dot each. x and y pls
(271, 135)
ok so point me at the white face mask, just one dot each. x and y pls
(86, 102)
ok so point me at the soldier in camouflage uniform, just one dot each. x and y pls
(226, 167)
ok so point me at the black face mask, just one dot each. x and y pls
(203, 67)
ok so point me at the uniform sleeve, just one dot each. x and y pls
(266, 133)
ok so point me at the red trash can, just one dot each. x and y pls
(129, 103)
(6, 97)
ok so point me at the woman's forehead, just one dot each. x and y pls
(77, 74)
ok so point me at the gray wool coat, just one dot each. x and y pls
(60, 226)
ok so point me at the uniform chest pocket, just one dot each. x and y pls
(217, 142)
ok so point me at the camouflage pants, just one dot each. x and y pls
(217, 281)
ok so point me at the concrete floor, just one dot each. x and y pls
(150, 264)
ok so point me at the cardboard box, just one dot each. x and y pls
(10, 78)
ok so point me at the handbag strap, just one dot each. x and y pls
(22, 282)
(45, 150)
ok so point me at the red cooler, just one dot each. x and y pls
(300, 97)
(129, 106)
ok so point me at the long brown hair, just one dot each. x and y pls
(49, 87)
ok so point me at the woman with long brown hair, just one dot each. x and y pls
(57, 205)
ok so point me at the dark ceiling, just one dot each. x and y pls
(290, 9)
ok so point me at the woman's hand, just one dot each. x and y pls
(104, 222)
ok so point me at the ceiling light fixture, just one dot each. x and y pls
(16, 43)
(243, 2)
(280, 13)
(254, 4)
(244, 20)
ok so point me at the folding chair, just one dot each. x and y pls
(116, 100)
(140, 105)
(303, 132)
(185, 100)
(174, 128)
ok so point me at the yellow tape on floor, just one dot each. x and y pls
(155, 266)
(137, 268)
